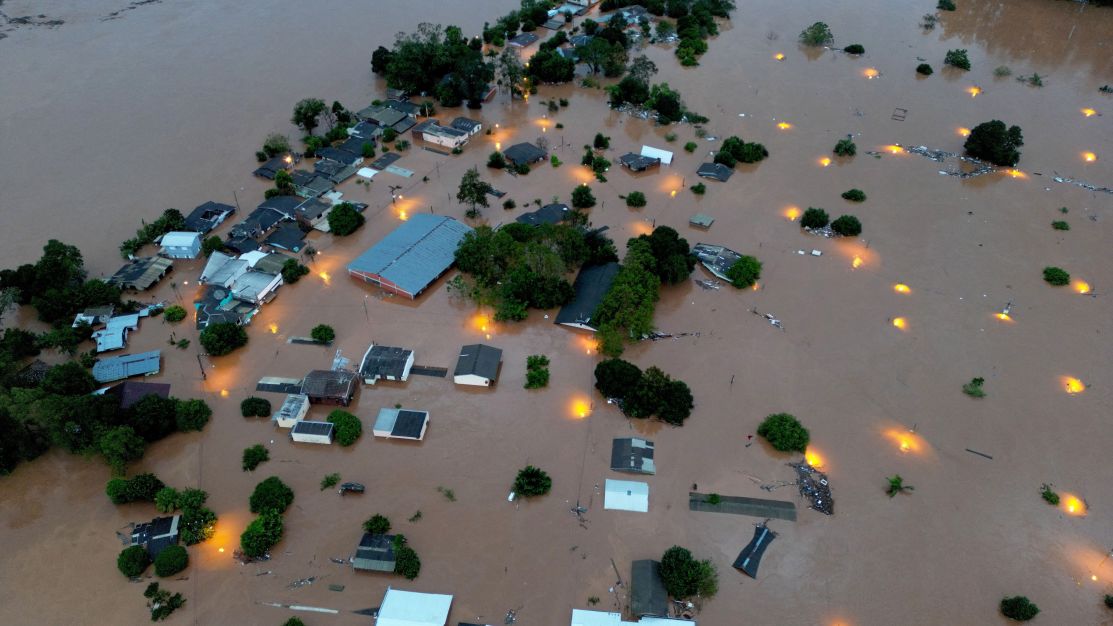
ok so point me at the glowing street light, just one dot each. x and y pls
(974, 91)
(894, 149)
(1080, 286)
(870, 73)
(900, 323)
(1088, 112)
(792, 213)
(857, 262)
(902, 288)
(779, 56)
(784, 125)
(963, 132)
(1089, 157)
(1073, 385)
(825, 161)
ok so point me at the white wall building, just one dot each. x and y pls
(409, 608)
(312, 432)
(181, 245)
(293, 410)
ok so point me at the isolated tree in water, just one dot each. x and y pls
(992, 141)
(306, 113)
(473, 191)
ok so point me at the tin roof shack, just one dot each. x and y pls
(275, 165)
(409, 608)
(208, 216)
(129, 392)
(716, 259)
(401, 424)
(335, 387)
(114, 335)
(412, 256)
(626, 495)
(633, 455)
(140, 274)
(386, 363)
(293, 410)
(181, 245)
(156, 535)
(716, 171)
(637, 162)
(548, 214)
(477, 365)
(647, 591)
(524, 154)
(126, 366)
(306, 431)
(701, 220)
(375, 553)
(591, 285)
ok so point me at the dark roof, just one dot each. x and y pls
(126, 365)
(465, 124)
(263, 218)
(591, 285)
(339, 155)
(365, 131)
(217, 305)
(156, 535)
(355, 145)
(524, 40)
(383, 361)
(306, 427)
(141, 273)
(312, 209)
(339, 384)
(750, 558)
(479, 360)
(310, 183)
(385, 160)
(413, 255)
(409, 424)
(404, 106)
(287, 237)
(286, 205)
(580, 40)
(718, 171)
(548, 214)
(130, 392)
(647, 591)
(208, 216)
(638, 162)
(241, 244)
(375, 553)
(273, 166)
(524, 153)
(333, 171)
(717, 259)
(632, 454)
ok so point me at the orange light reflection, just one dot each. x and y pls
(906, 441)
(792, 213)
(1072, 385)
(1004, 317)
(902, 288)
(1088, 112)
(1089, 157)
(580, 408)
(973, 91)
(900, 323)
(784, 125)
(1080, 286)
(825, 161)
(870, 73)
(1072, 504)
(963, 132)
(813, 457)
(894, 149)
(779, 56)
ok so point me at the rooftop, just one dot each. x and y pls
(637, 162)
(717, 171)
(524, 153)
(384, 361)
(548, 214)
(591, 285)
(401, 423)
(129, 392)
(632, 454)
(479, 360)
(414, 254)
(306, 427)
(375, 553)
(339, 384)
(467, 125)
(647, 591)
(409, 608)
(124, 366)
(141, 273)
(208, 216)
(626, 495)
(287, 237)
(717, 259)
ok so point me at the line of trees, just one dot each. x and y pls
(170, 220)
(436, 60)
(644, 394)
(269, 500)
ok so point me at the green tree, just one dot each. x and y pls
(262, 534)
(284, 183)
(473, 191)
(629, 90)
(957, 58)
(174, 313)
(854, 195)
(406, 561)
(348, 427)
(154, 417)
(496, 160)
(550, 67)
(684, 576)
(537, 371)
(276, 144)
(601, 142)
(635, 199)
(292, 271)
(307, 112)
(666, 102)
(192, 415)
(344, 220)
(845, 147)
(170, 561)
(1056, 276)
(254, 456)
(814, 218)
(816, 35)
(615, 378)
(255, 407)
(924, 69)
(744, 272)
(855, 48)
(166, 500)
(672, 260)
(582, 198)
(510, 71)
(1019, 608)
(68, 379)
(377, 525)
(119, 446)
(784, 433)
(322, 333)
(271, 495)
(896, 485)
(532, 481)
(847, 226)
(198, 522)
(992, 141)
(222, 338)
(133, 561)
(211, 244)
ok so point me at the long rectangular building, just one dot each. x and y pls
(411, 257)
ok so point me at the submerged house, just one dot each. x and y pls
(130, 392)
(385, 363)
(583, 617)
(548, 214)
(126, 366)
(288, 237)
(633, 455)
(626, 495)
(412, 256)
(181, 245)
(401, 424)
(140, 274)
(293, 410)
(375, 553)
(218, 305)
(716, 259)
(477, 365)
(409, 608)
(468, 125)
(637, 162)
(208, 216)
(648, 595)
(335, 387)
(524, 154)
(274, 165)
(156, 535)
(310, 184)
(306, 431)
(716, 171)
(591, 285)
(431, 131)
(114, 335)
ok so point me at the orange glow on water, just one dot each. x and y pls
(792, 213)
(784, 125)
(902, 288)
(1015, 173)
(223, 393)
(1088, 112)
(814, 458)
(498, 145)
(755, 286)
(402, 215)
(672, 193)
(1073, 385)
(325, 277)
(1004, 317)
(273, 328)
(1089, 157)
(973, 91)
(1080, 286)
(894, 149)
(825, 161)
(857, 262)
(580, 408)
(1072, 504)
(905, 440)
(779, 56)
(870, 73)
(589, 344)
(481, 322)
(900, 323)
(220, 550)
(963, 132)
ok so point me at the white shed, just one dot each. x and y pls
(657, 153)
(312, 432)
(626, 495)
(409, 608)
(181, 245)
(293, 410)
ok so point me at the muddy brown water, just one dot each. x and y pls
(107, 122)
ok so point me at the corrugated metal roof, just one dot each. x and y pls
(180, 239)
(415, 253)
(120, 367)
(410, 608)
(626, 495)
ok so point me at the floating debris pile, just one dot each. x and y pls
(814, 487)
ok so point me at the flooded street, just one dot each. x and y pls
(106, 120)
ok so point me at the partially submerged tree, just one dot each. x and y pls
(847, 226)
(344, 220)
(323, 333)
(307, 112)
(846, 147)
(816, 35)
(255, 456)
(1056, 276)
(684, 576)
(784, 432)
(473, 192)
(814, 218)
(957, 58)
(744, 272)
(222, 338)
(262, 534)
(992, 141)
(377, 525)
(896, 485)
(133, 561)
(348, 427)
(271, 495)
(1019, 608)
(255, 407)
(532, 481)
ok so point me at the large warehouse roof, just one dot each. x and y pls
(413, 255)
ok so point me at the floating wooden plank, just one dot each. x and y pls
(754, 507)
(425, 370)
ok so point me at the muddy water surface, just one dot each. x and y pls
(106, 122)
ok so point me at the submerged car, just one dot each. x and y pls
(351, 488)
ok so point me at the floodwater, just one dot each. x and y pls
(104, 122)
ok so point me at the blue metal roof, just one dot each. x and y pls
(120, 367)
(415, 253)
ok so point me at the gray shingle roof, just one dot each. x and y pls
(632, 454)
(305, 427)
(591, 285)
(414, 254)
(718, 171)
(479, 360)
(375, 553)
(384, 361)
(524, 153)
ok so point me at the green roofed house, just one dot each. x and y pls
(374, 554)
(411, 257)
